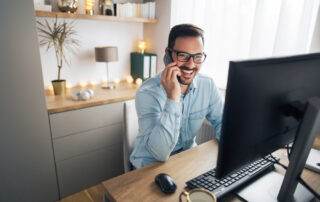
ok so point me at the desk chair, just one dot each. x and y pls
(205, 133)
(130, 132)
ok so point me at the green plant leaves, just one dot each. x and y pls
(59, 35)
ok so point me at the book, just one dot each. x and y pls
(137, 10)
(42, 7)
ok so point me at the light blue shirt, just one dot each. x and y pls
(167, 127)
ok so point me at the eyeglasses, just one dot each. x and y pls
(198, 194)
(198, 58)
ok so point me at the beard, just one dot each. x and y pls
(186, 81)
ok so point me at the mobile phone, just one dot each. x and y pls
(167, 59)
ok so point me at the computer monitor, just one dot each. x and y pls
(259, 99)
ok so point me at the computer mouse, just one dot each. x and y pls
(166, 183)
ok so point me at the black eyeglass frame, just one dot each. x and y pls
(190, 55)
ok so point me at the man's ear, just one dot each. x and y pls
(166, 49)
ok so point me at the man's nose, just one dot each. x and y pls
(190, 63)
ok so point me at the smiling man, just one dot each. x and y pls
(172, 105)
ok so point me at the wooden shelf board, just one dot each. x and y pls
(60, 103)
(92, 17)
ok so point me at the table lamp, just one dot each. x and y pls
(107, 54)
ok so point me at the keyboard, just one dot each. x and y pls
(222, 186)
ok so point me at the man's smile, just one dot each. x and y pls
(186, 72)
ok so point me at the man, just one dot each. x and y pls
(172, 105)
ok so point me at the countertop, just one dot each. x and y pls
(123, 91)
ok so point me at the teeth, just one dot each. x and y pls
(188, 72)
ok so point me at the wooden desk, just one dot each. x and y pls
(139, 185)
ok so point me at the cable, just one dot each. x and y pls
(288, 151)
(276, 161)
(309, 188)
(299, 177)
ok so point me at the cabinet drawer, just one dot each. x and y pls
(84, 171)
(84, 142)
(70, 122)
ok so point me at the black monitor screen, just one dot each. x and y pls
(254, 123)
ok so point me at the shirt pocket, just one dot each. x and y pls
(196, 120)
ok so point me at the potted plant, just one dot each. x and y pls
(59, 35)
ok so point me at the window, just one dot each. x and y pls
(244, 29)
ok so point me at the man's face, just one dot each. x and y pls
(189, 45)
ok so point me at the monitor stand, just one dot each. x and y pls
(267, 187)
(306, 133)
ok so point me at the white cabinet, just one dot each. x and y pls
(87, 145)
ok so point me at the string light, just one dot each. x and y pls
(50, 87)
(116, 80)
(93, 82)
(104, 80)
(82, 84)
(138, 81)
(129, 79)
(68, 86)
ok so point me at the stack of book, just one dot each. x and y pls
(136, 10)
(39, 5)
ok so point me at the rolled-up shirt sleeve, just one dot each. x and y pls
(159, 127)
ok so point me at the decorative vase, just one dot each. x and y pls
(59, 87)
(69, 6)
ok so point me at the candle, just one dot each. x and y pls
(116, 80)
(68, 86)
(93, 82)
(49, 89)
(104, 80)
(139, 81)
(82, 84)
(129, 79)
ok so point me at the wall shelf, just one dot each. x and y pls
(93, 17)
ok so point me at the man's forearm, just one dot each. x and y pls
(164, 135)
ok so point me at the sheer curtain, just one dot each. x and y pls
(243, 29)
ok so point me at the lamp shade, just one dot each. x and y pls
(106, 54)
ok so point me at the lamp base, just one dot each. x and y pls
(107, 86)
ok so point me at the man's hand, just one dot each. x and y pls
(170, 82)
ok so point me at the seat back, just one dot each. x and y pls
(130, 131)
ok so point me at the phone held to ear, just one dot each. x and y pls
(167, 59)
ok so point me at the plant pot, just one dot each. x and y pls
(59, 87)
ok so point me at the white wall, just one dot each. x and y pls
(94, 33)
(124, 35)
(156, 35)
(315, 44)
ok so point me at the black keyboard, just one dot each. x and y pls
(222, 186)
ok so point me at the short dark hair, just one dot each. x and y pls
(184, 30)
